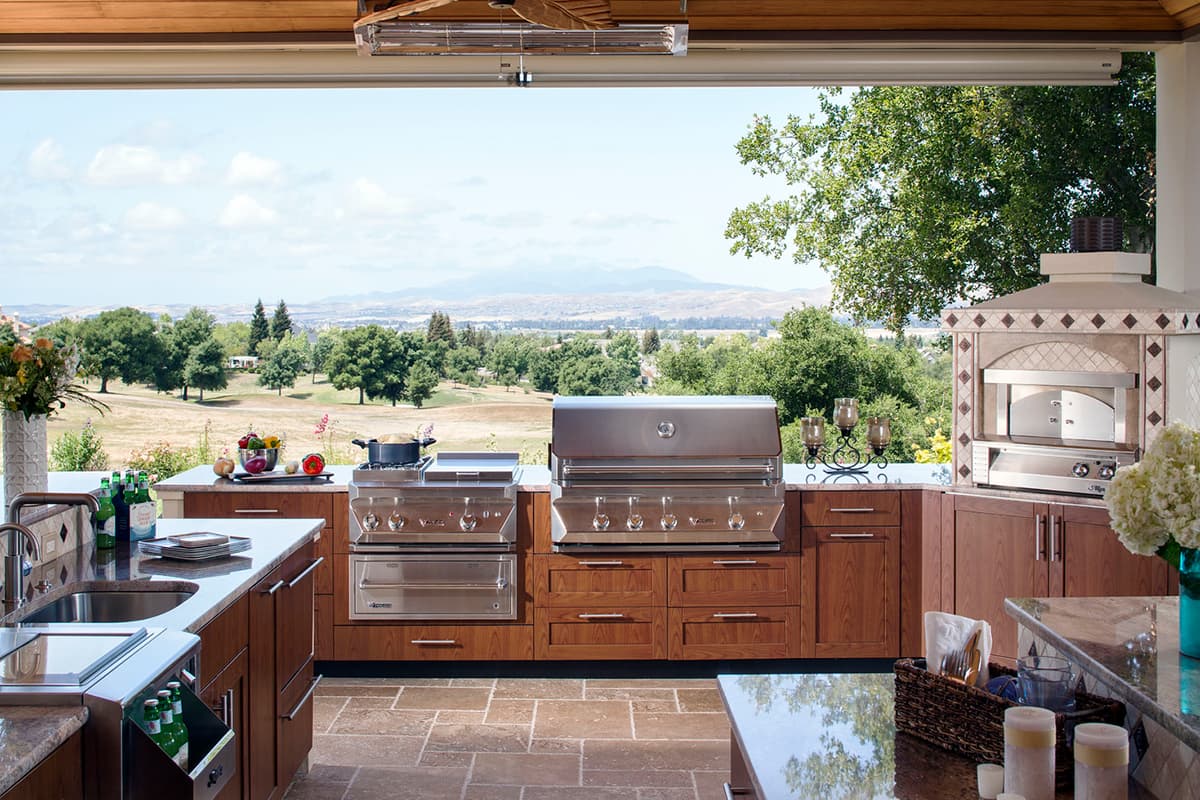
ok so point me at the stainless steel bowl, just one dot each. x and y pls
(271, 454)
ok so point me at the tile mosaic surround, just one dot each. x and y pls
(59, 534)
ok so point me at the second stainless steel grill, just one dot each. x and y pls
(666, 474)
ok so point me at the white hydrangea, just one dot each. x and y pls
(1159, 498)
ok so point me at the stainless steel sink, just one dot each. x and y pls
(108, 606)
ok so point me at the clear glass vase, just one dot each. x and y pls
(1189, 602)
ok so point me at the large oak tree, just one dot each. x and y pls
(912, 198)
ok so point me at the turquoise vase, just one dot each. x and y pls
(1189, 602)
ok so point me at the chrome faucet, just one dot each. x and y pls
(18, 535)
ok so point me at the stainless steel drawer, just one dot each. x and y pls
(432, 587)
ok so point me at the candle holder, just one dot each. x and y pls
(846, 457)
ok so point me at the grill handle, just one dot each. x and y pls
(657, 470)
(499, 585)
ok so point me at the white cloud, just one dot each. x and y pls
(368, 198)
(248, 169)
(47, 162)
(596, 219)
(243, 211)
(130, 164)
(153, 217)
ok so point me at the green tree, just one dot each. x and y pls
(509, 360)
(544, 364)
(593, 375)
(326, 341)
(684, 370)
(462, 363)
(623, 350)
(914, 197)
(420, 384)
(440, 329)
(281, 322)
(650, 341)
(119, 344)
(260, 329)
(234, 338)
(79, 452)
(62, 331)
(369, 358)
(205, 367)
(285, 364)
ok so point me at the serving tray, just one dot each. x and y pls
(281, 477)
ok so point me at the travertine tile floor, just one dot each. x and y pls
(516, 739)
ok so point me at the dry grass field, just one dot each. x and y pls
(462, 418)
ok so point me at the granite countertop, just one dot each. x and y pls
(833, 736)
(218, 583)
(1131, 645)
(28, 734)
(202, 479)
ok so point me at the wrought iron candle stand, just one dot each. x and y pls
(846, 457)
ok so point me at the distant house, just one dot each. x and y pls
(648, 373)
(243, 362)
(20, 329)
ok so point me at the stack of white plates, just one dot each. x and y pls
(199, 546)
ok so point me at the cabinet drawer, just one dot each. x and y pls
(600, 580)
(734, 632)
(600, 632)
(324, 573)
(433, 642)
(294, 725)
(258, 505)
(736, 580)
(223, 637)
(836, 507)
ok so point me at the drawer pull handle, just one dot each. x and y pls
(188, 677)
(853, 510)
(316, 563)
(732, 791)
(735, 615)
(863, 535)
(256, 511)
(436, 642)
(601, 563)
(602, 616)
(278, 585)
(726, 562)
(499, 585)
(312, 687)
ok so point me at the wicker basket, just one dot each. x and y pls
(970, 722)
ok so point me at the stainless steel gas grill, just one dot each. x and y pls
(666, 474)
(434, 539)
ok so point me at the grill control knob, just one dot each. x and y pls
(369, 521)
(635, 522)
(396, 521)
(468, 522)
(601, 521)
(1107, 471)
(669, 522)
(1080, 470)
(737, 521)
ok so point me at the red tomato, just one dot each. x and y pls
(313, 464)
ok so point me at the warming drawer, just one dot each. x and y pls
(433, 587)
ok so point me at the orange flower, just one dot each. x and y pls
(44, 344)
(21, 353)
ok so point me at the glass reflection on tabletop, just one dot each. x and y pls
(833, 736)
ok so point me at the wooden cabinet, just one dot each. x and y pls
(604, 580)
(58, 777)
(280, 678)
(225, 693)
(731, 632)
(437, 642)
(851, 578)
(1017, 548)
(601, 632)
(841, 508)
(333, 507)
(759, 580)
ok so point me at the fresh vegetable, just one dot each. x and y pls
(255, 465)
(255, 443)
(313, 464)
(292, 467)
(224, 466)
(245, 440)
(271, 442)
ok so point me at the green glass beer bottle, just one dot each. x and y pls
(181, 731)
(106, 520)
(152, 722)
(167, 724)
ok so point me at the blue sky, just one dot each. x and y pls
(216, 196)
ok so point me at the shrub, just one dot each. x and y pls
(160, 460)
(80, 452)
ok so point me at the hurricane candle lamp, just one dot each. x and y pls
(846, 456)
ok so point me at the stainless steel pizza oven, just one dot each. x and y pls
(666, 474)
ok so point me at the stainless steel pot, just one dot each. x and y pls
(393, 452)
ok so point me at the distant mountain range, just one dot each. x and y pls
(557, 298)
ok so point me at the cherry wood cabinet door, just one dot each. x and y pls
(733, 579)
(225, 694)
(561, 580)
(729, 632)
(58, 777)
(418, 642)
(294, 613)
(260, 688)
(1000, 550)
(601, 632)
(852, 592)
(849, 507)
(259, 505)
(1093, 561)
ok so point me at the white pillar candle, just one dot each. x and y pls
(991, 780)
(1101, 762)
(1029, 752)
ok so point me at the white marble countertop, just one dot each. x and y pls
(1131, 645)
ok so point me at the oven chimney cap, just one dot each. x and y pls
(1098, 267)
